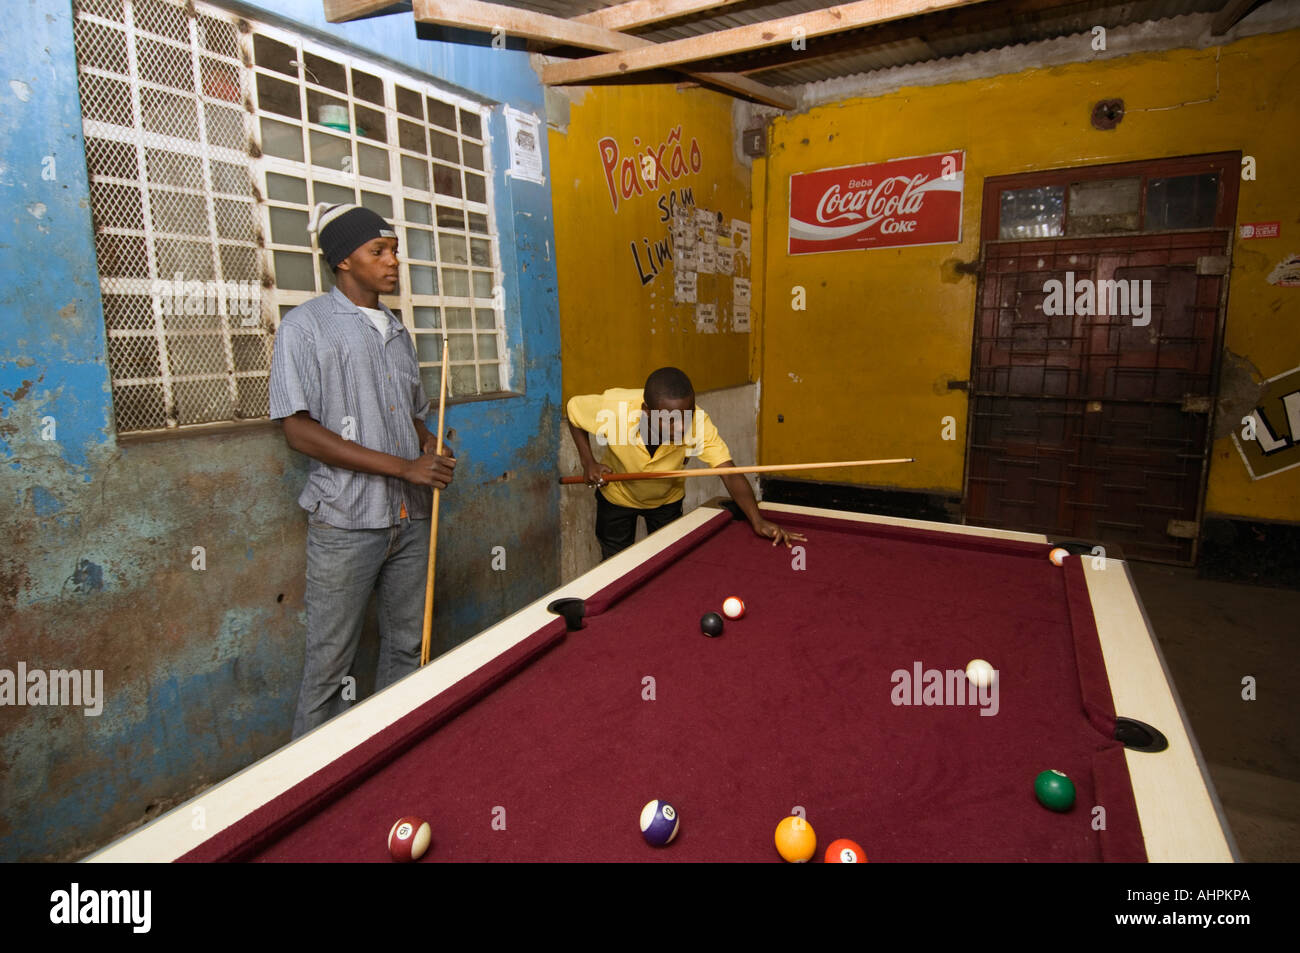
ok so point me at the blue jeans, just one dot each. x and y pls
(343, 567)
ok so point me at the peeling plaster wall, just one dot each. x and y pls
(201, 668)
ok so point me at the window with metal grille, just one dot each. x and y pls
(208, 140)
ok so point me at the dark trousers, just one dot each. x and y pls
(616, 525)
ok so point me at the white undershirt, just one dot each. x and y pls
(377, 318)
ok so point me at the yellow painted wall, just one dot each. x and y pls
(615, 329)
(863, 371)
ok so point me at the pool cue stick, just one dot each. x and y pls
(433, 521)
(724, 471)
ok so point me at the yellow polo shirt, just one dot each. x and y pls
(615, 418)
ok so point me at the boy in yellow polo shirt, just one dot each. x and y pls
(654, 428)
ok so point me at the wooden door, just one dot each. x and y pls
(1095, 425)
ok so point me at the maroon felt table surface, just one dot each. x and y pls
(549, 753)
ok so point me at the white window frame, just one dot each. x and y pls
(403, 302)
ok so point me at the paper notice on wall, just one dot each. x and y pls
(683, 233)
(524, 131)
(740, 291)
(708, 233)
(686, 257)
(706, 216)
(708, 259)
(684, 287)
(740, 236)
(740, 318)
(706, 318)
(726, 260)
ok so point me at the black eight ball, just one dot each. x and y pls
(711, 624)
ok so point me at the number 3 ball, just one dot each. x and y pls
(409, 839)
(845, 851)
(659, 823)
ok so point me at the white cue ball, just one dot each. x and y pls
(980, 673)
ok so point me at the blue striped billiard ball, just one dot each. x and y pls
(659, 822)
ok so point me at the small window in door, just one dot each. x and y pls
(1184, 201)
(1104, 206)
(1032, 213)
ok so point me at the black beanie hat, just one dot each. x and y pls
(342, 229)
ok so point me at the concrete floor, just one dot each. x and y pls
(1214, 634)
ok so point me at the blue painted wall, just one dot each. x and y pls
(201, 668)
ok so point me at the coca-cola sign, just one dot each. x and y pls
(883, 205)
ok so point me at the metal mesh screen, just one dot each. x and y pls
(175, 213)
(208, 138)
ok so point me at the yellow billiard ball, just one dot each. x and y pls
(795, 840)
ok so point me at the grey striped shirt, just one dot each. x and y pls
(332, 362)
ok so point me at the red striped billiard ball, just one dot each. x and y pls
(409, 839)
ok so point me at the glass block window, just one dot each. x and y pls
(333, 128)
(208, 139)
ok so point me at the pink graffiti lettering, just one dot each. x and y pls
(649, 168)
(608, 149)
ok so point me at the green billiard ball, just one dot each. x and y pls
(1055, 791)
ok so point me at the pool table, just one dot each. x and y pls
(839, 695)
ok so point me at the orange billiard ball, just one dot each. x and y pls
(795, 840)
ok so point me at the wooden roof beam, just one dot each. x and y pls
(638, 13)
(755, 36)
(1229, 15)
(488, 17)
(341, 11)
(921, 28)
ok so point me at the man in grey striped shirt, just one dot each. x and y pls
(346, 385)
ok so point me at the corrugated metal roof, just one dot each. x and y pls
(933, 38)
(943, 34)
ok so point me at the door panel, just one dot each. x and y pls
(1094, 426)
